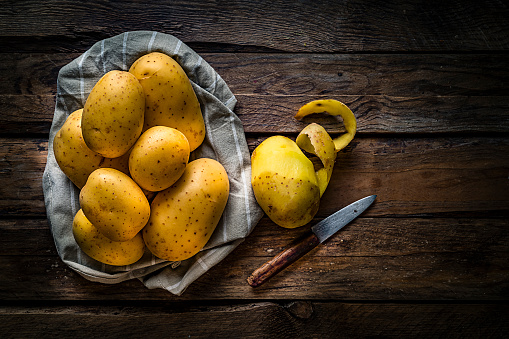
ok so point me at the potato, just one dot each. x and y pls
(120, 163)
(284, 182)
(113, 114)
(170, 98)
(185, 215)
(159, 158)
(114, 204)
(102, 249)
(73, 156)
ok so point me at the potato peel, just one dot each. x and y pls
(332, 107)
(314, 139)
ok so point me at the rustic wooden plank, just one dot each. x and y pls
(441, 175)
(275, 25)
(275, 114)
(364, 74)
(380, 114)
(34, 74)
(259, 320)
(388, 93)
(22, 114)
(425, 175)
(279, 74)
(435, 276)
(26, 237)
(364, 237)
(22, 163)
(372, 258)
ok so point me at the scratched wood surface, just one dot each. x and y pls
(428, 83)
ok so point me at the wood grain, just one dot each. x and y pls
(388, 93)
(26, 114)
(426, 276)
(336, 26)
(451, 175)
(428, 84)
(380, 114)
(22, 165)
(275, 114)
(258, 320)
(370, 259)
(419, 75)
(364, 237)
(280, 74)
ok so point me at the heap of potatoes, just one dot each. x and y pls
(127, 150)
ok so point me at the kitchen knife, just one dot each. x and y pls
(319, 233)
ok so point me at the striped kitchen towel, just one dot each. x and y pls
(225, 141)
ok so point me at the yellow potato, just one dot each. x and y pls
(185, 215)
(73, 156)
(114, 204)
(159, 158)
(102, 249)
(120, 163)
(170, 98)
(284, 182)
(113, 114)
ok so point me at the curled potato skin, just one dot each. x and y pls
(315, 140)
(332, 107)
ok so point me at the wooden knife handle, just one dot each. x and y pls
(282, 260)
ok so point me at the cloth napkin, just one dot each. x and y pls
(225, 142)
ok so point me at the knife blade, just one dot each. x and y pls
(319, 233)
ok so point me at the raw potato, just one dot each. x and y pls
(170, 98)
(114, 204)
(284, 182)
(159, 158)
(120, 163)
(102, 249)
(73, 156)
(113, 114)
(185, 215)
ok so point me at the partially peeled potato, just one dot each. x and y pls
(285, 183)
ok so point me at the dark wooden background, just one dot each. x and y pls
(429, 84)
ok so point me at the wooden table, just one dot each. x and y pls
(429, 85)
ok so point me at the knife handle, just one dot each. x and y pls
(287, 257)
